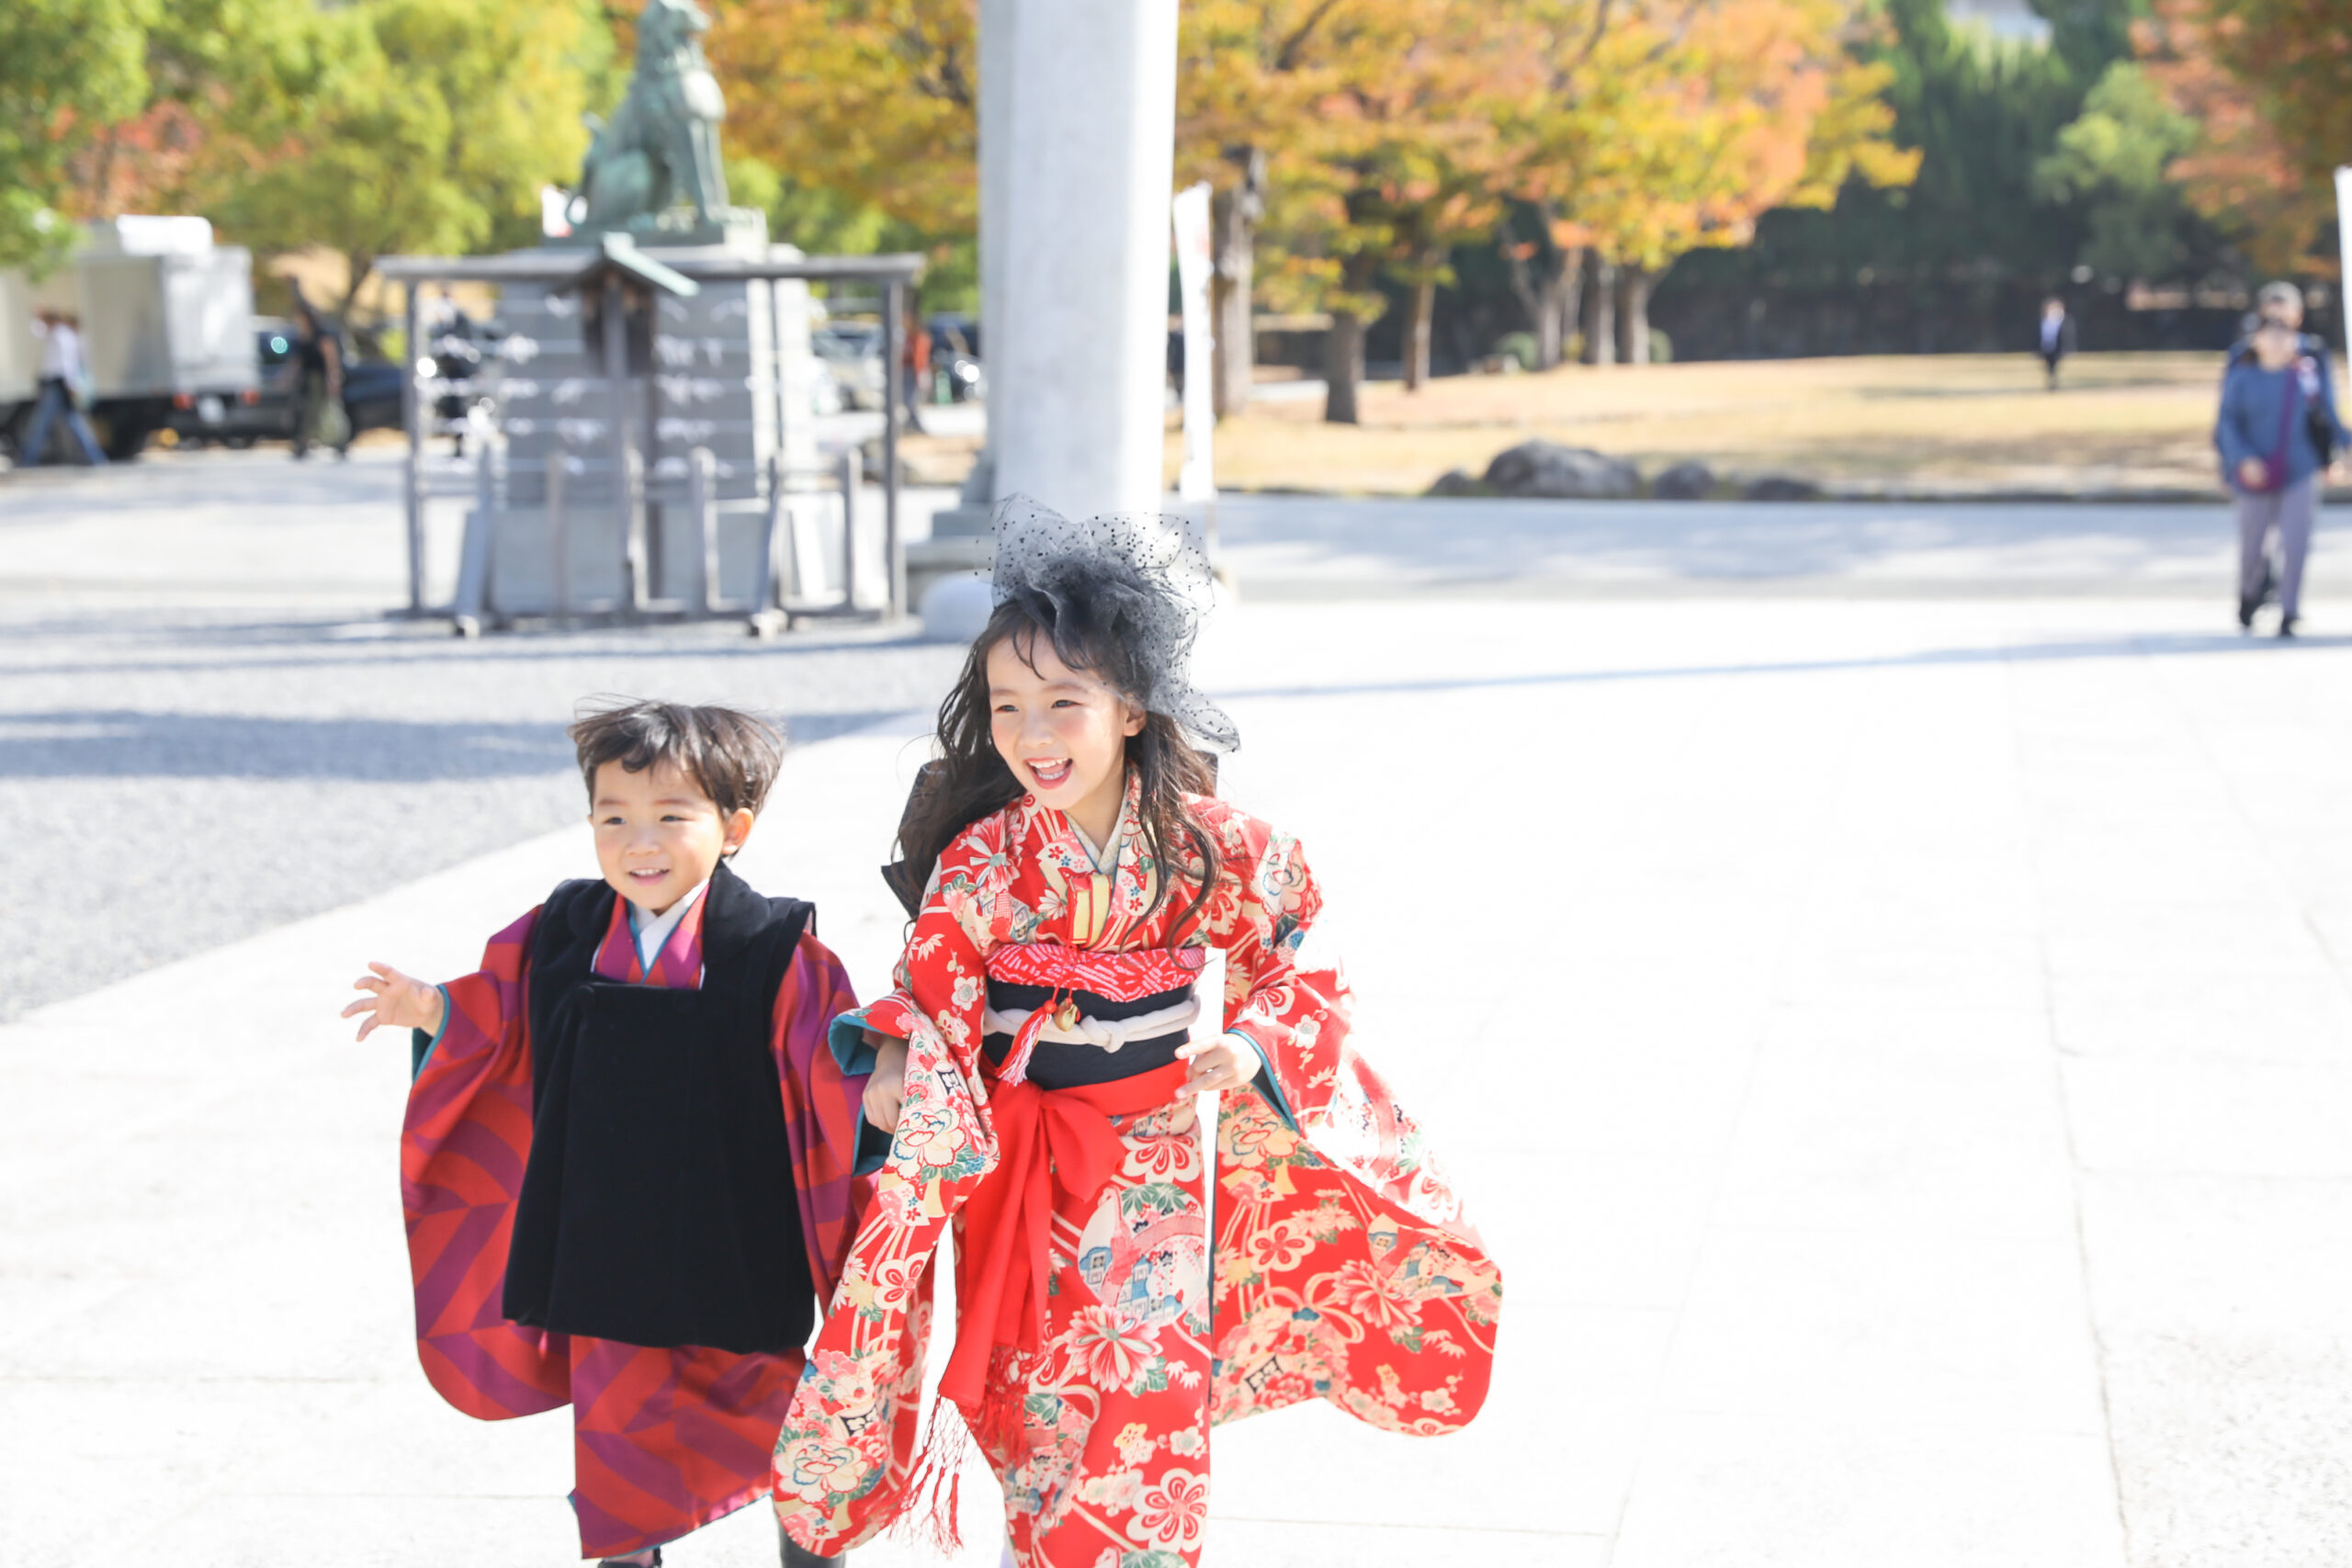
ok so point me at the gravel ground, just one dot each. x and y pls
(202, 777)
(210, 728)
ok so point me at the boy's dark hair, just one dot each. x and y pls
(731, 756)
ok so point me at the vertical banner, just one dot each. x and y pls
(2344, 249)
(1196, 481)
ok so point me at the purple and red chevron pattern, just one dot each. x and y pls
(664, 1440)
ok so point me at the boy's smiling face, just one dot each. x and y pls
(659, 837)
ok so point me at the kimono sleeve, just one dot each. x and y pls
(1296, 1017)
(821, 1112)
(464, 1145)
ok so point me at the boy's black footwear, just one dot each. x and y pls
(2287, 627)
(2246, 614)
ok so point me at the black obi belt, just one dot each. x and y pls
(1065, 1063)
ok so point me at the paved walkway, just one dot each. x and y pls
(1880, 974)
(1900, 1051)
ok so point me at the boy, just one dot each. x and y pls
(627, 1154)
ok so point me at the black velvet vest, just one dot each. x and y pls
(658, 1206)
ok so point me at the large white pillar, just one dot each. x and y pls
(1076, 351)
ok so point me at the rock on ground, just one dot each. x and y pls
(1549, 471)
(1689, 480)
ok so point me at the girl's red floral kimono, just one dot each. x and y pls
(664, 1440)
(1091, 1357)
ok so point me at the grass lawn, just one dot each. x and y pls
(1962, 421)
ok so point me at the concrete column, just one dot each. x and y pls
(998, 19)
(1078, 356)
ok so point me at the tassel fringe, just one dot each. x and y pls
(929, 1515)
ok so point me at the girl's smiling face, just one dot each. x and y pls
(1061, 731)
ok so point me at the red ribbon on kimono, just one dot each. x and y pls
(1046, 1138)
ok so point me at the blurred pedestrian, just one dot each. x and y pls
(914, 368)
(2057, 337)
(63, 377)
(319, 413)
(2278, 432)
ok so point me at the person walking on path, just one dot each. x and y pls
(61, 377)
(2057, 337)
(319, 413)
(2278, 432)
(914, 369)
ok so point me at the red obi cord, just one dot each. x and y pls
(1116, 977)
(1046, 1140)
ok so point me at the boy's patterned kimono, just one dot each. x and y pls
(664, 1440)
(1344, 1267)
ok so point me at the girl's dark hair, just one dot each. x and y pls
(970, 780)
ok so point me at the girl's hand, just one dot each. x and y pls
(1220, 1064)
(887, 1087)
(2252, 473)
(398, 1003)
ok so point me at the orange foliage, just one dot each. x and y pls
(2242, 175)
(877, 100)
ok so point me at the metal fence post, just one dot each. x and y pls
(702, 489)
(559, 541)
(850, 480)
(894, 552)
(412, 490)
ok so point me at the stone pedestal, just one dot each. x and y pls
(732, 374)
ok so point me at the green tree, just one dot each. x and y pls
(67, 69)
(2112, 164)
(426, 126)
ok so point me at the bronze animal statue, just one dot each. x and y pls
(661, 145)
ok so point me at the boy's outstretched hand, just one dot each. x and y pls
(887, 1087)
(398, 1003)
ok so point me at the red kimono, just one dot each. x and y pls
(1093, 1354)
(664, 1440)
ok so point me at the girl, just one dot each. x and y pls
(1039, 1067)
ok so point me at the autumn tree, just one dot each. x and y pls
(1665, 128)
(222, 78)
(67, 69)
(1249, 73)
(874, 103)
(1398, 162)
(2263, 85)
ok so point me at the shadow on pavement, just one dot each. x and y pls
(2025, 653)
(125, 743)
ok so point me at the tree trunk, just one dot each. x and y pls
(1418, 307)
(1342, 368)
(1634, 313)
(1234, 216)
(1556, 319)
(1600, 321)
(1548, 295)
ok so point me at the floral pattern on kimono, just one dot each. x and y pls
(1344, 1266)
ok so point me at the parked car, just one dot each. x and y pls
(371, 395)
(851, 352)
(956, 359)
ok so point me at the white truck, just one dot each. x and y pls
(168, 332)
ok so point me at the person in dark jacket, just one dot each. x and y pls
(2276, 433)
(2056, 338)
